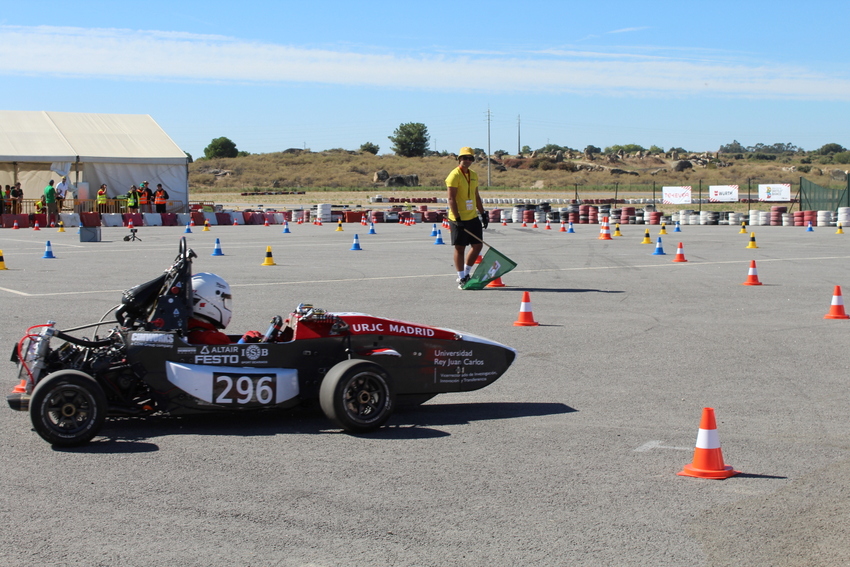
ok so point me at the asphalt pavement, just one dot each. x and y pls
(569, 459)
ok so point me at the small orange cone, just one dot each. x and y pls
(563, 227)
(130, 224)
(752, 275)
(708, 458)
(605, 230)
(526, 317)
(680, 254)
(534, 225)
(496, 283)
(836, 310)
(36, 226)
(235, 222)
(15, 226)
(20, 388)
(478, 260)
(266, 223)
(548, 226)
(191, 221)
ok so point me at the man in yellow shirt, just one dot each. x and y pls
(464, 208)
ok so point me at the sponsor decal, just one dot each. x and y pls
(254, 352)
(152, 339)
(187, 350)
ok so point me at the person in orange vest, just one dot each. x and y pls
(145, 197)
(101, 198)
(160, 198)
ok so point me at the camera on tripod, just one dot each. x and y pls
(132, 235)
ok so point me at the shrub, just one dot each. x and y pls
(804, 168)
(841, 157)
(221, 147)
(370, 148)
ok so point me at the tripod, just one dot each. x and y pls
(132, 235)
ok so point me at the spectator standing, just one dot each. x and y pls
(133, 200)
(61, 192)
(17, 195)
(145, 197)
(49, 200)
(160, 198)
(6, 200)
(101, 199)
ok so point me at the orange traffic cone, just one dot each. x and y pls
(130, 224)
(605, 230)
(534, 225)
(708, 458)
(235, 222)
(680, 254)
(752, 275)
(526, 317)
(563, 227)
(478, 260)
(15, 226)
(20, 388)
(548, 225)
(836, 310)
(36, 226)
(191, 221)
(266, 223)
(496, 283)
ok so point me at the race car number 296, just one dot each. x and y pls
(243, 389)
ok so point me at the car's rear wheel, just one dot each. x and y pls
(68, 408)
(357, 395)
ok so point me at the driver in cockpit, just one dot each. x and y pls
(211, 312)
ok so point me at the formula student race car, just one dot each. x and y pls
(358, 366)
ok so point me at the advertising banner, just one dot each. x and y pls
(775, 192)
(722, 193)
(676, 195)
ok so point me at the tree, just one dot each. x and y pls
(830, 149)
(410, 139)
(592, 149)
(656, 149)
(734, 148)
(370, 148)
(525, 150)
(221, 147)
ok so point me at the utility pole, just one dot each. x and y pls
(518, 146)
(488, 147)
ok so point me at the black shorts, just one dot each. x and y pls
(462, 238)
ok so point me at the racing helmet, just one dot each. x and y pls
(211, 299)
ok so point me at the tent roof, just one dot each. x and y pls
(40, 136)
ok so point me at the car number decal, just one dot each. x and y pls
(234, 386)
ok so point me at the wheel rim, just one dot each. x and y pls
(365, 397)
(68, 410)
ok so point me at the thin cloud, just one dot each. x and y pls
(121, 54)
(627, 30)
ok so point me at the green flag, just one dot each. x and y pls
(493, 265)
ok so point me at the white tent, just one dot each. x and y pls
(91, 149)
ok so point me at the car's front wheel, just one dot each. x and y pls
(68, 408)
(357, 395)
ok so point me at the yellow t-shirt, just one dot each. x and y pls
(466, 192)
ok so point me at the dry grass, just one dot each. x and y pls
(346, 178)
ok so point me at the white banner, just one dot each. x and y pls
(722, 193)
(775, 192)
(676, 195)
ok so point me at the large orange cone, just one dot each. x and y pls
(752, 275)
(680, 254)
(526, 317)
(605, 230)
(496, 283)
(836, 310)
(708, 458)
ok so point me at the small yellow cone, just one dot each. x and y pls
(617, 230)
(339, 227)
(663, 228)
(269, 261)
(752, 243)
(646, 239)
(2, 262)
(840, 230)
(61, 227)
(743, 228)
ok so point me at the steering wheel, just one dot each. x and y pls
(274, 329)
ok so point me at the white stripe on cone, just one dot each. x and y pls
(837, 300)
(708, 439)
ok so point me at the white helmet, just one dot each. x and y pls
(211, 299)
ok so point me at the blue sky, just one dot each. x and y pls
(321, 75)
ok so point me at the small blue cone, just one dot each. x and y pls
(48, 252)
(810, 229)
(188, 230)
(217, 248)
(659, 251)
(570, 230)
(356, 244)
(439, 238)
(371, 228)
(286, 227)
(434, 229)
(677, 229)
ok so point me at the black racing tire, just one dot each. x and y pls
(357, 395)
(68, 408)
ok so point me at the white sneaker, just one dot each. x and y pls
(462, 281)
